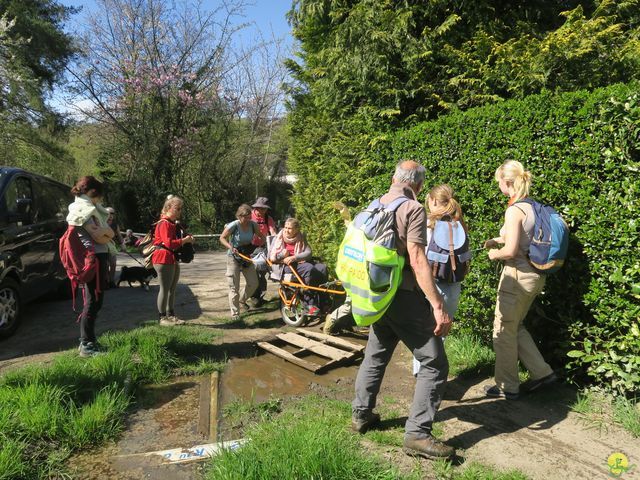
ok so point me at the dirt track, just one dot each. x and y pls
(538, 434)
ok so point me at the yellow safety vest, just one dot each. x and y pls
(370, 272)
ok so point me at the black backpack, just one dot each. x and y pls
(185, 253)
(448, 251)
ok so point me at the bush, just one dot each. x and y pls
(583, 149)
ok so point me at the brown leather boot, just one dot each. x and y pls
(363, 420)
(426, 447)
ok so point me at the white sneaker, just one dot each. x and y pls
(176, 320)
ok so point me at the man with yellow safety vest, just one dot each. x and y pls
(416, 317)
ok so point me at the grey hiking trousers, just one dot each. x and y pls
(410, 320)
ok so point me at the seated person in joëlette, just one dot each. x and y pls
(291, 249)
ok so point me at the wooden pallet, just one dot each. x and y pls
(337, 350)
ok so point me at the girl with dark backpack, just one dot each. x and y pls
(87, 219)
(520, 283)
(449, 265)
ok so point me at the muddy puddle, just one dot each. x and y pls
(266, 376)
(167, 416)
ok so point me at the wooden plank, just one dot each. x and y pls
(313, 367)
(213, 415)
(315, 347)
(204, 406)
(332, 340)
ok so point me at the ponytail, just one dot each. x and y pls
(516, 177)
(448, 206)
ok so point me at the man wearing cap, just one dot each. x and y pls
(260, 215)
(116, 242)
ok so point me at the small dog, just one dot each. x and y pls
(137, 274)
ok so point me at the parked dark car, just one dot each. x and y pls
(33, 211)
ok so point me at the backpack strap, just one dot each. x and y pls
(395, 204)
(451, 247)
(527, 200)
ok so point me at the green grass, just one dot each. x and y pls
(244, 412)
(599, 410)
(626, 413)
(309, 439)
(468, 356)
(47, 413)
(444, 470)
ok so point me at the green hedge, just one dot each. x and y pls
(583, 149)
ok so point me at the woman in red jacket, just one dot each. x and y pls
(168, 239)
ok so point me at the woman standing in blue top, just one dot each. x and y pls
(237, 237)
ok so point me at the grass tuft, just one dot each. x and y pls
(308, 440)
(12, 459)
(98, 420)
(626, 413)
(47, 412)
(599, 409)
(444, 470)
(468, 356)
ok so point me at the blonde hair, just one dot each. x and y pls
(170, 202)
(243, 210)
(447, 204)
(516, 177)
(293, 222)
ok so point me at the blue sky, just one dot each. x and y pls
(267, 15)
(264, 16)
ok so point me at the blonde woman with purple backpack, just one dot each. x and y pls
(443, 207)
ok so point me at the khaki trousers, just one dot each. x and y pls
(518, 287)
(233, 280)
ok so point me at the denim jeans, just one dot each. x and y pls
(451, 295)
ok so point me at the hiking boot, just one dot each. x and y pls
(363, 420)
(88, 349)
(531, 385)
(255, 302)
(427, 447)
(175, 320)
(329, 327)
(494, 391)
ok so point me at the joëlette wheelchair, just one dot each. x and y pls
(291, 290)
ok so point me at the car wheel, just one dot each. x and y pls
(9, 307)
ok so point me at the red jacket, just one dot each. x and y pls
(264, 224)
(166, 234)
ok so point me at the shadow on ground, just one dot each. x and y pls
(51, 326)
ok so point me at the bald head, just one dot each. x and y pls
(408, 171)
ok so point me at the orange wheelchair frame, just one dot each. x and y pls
(292, 309)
